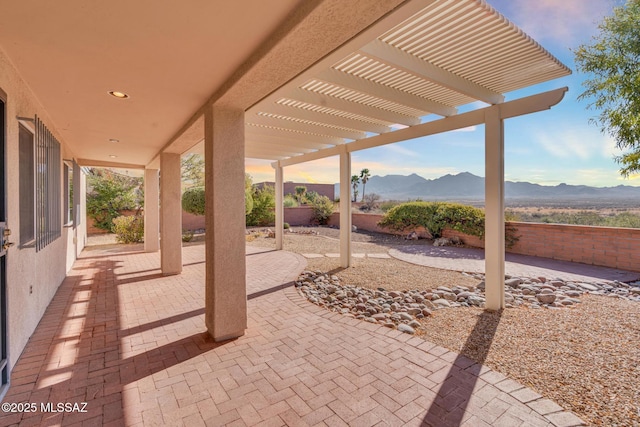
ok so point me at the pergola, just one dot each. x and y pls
(288, 81)
(402, 78)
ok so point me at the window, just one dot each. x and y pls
(27, 193)
(47, 185)
(68, 193)
(41, 195)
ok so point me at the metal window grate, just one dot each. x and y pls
(48, 188)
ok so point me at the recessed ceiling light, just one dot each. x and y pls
(113, 156)
(113, 140)
(120, 95)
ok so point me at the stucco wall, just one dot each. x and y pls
(604, 246)
(290, 188)
(301, 215)
(32, 278)
(607, 246)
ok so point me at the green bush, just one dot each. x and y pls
(290, 201)
(264, 204)
(110, 193)
(187, 235)
(129, 229)
(386, 206)
(310, 197)
(322, 209)
(286, 226)
(193, 200)
(435, 216)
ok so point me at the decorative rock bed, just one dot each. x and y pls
(402, 309)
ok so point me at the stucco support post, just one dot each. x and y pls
(494, 208)
(225, 283)
(151, 210)
(345, 208)
(279, 207)
(170, 214)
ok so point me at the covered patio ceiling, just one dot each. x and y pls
(418, 65)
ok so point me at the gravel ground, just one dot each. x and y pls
(586, 358)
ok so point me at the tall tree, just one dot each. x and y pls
(192, 169)
(355, 180)
(613, 88)
(364, 177)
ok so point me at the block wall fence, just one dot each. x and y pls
(605, 246)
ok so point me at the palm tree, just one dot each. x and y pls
(364, 176)
(355, 180)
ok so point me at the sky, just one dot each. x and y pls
(547, 148)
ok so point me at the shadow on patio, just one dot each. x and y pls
(132, 344)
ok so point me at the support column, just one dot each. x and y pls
(151, 210)
(225, 283)
(279, 207)
(345, 209)
(170, 214)
(494, 209)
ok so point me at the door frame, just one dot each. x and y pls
(4, 332)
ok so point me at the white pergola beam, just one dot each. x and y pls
(279, 207)
(320, 117)
(494, 208)
(396, 58)
(306, 127)
(369, 87)
(252, 151)
(287, 134)
(399, 15)
(316, 98)
(276, 146)
(518, 107)
(345, 208)
(289, 142)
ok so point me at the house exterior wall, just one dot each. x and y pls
(32, 278)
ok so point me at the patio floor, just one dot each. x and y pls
(132, 345)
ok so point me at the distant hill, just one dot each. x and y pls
(466, 186)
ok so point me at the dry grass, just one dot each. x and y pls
(586, 358)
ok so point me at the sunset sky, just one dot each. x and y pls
(549, 148)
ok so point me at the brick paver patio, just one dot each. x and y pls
(132, 345)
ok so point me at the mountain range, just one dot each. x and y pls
(466, 186)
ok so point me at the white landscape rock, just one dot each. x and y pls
(403, 309)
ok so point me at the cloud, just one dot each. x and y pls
(566, 22)
(571, 143)
(399, 149)
(467, 129)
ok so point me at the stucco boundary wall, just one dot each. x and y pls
(604, 246)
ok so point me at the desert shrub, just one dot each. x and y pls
(386, 206)
(289, 201)
(264, 204)
(109, 193)
(370, 202)
(286, 226)
(435, 216)
(624, 219)
(322, 209)
(300, 190)
(129, 229)
(193, 200)
(311, 196)
(187, 235)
